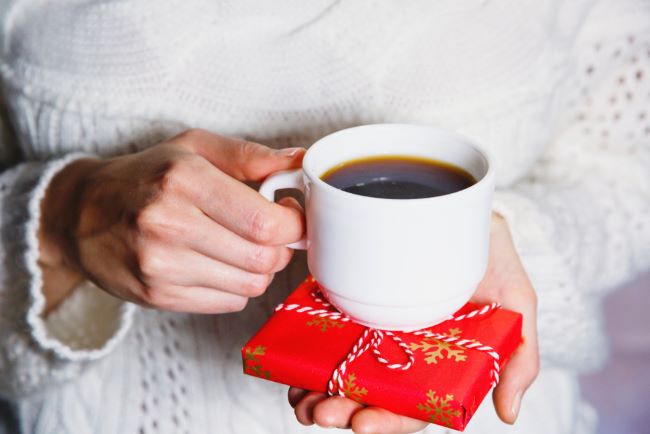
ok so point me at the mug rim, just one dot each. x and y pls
(485, 179)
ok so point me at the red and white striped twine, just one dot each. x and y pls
(370, 338)
(482, 311)
(373, 338)
(323, 313)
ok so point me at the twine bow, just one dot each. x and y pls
(372, 338)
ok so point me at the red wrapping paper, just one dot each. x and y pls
(445, 384)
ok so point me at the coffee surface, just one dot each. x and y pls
(398, 177)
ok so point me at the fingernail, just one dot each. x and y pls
(516, 403)
(289, 152)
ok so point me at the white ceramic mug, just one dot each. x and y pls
(395, 264)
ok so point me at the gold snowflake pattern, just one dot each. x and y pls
(252, 362)
(352, 390)
(436, 349)
(325, 323)
(439, 409)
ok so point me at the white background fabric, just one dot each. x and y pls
(556, 91)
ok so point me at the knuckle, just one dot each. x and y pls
(535, 368)
(150, 264)
(247, 149)
(532, 372)
(147, 219)
(262, 226)
(151, 296)
(192, 135)
(155, 222)
(256, 285)
(174, 175)
(263, 259)
(253, 160)
(180, 174)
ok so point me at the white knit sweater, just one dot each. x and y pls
(557, 91)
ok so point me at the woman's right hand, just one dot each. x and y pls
(172, 227)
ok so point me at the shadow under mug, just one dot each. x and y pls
(393, 264)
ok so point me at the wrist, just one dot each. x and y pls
(57, 226)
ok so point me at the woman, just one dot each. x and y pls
(104, 201)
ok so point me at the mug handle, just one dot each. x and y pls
(284, 179)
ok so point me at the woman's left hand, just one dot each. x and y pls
(506, 282)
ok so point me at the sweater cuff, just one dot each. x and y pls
(89, 323)
(532, 232)
(529, 227)
(564, 339)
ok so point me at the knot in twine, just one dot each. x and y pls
(373, 338)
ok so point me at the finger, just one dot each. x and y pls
(290, 202)
(518, 375)
(335, 412)
(193, 300)
(241, 159)
(242, 210)
(213, 240)
(181, 267)
(523, 367)
(515, 380)
(295, 395)
(376, 420)
(305, 409)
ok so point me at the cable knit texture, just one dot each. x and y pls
(557, 92)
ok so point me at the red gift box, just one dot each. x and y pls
(439, 374)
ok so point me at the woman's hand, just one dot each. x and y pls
(505, 282)
(172, 227)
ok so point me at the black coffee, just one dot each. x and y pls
(398, 177)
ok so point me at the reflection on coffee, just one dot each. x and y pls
(398, 177)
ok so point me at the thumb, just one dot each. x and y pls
(249, 161)
(241, 159)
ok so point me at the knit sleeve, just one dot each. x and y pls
(36, 352)
(581, 219)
